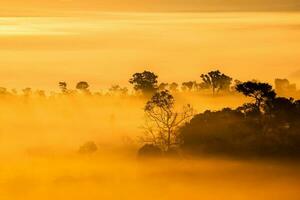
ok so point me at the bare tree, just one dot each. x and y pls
(163, 121)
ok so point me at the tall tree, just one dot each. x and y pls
(145, 82)
(163, 121)
(188, 86)
(260, 92)
(217, 81)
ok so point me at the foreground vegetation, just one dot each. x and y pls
(268, 126)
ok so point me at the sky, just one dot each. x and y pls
(52, 7)
(44, 42)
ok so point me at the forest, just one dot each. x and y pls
(265, 124)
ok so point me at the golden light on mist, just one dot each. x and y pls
(48, 124)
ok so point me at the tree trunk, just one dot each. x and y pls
(169, 140)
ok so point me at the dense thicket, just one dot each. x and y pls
(273, 129)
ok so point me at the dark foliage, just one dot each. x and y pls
(88, 148)
(145, 82)
(261, 92)
(216, 80)
(272, 130)
(63, 87)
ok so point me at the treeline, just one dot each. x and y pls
(269, 126)
(146, 83)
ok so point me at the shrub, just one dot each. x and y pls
(88, 148)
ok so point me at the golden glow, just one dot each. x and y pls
(40, 139)
(43, 42)
(106, 48)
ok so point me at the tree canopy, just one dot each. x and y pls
(217, 81)
(145, 82)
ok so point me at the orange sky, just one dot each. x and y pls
(78, 42)
(62, 7)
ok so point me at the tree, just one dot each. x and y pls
(243, 131)
(163, 122)
(281, 109)
(260, 92)
(215, 131)
(216, 80)
(145, 82)
(88, 148)
(118, 90)
(27, 92)
(40, 93)
(83, 86)
(173, 87)
(63, 87)
(3, 91)
(188, 86)
(235, 83)
(163, 86)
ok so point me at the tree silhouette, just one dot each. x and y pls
(243, 131)
(145, 82)
(260, 92)
(173, 87)
(3, 91)
(217, 81)
(83, 86)
(188, 86)
(118, 90)
(63, 87)
(40, 93)
(88, 148)
(163, 86)
(163, 122)
(27, 92)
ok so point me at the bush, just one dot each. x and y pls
(88, 148)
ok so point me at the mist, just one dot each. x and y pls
(41, 137)
(192, 99)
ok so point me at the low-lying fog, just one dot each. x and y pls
(40, 139)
